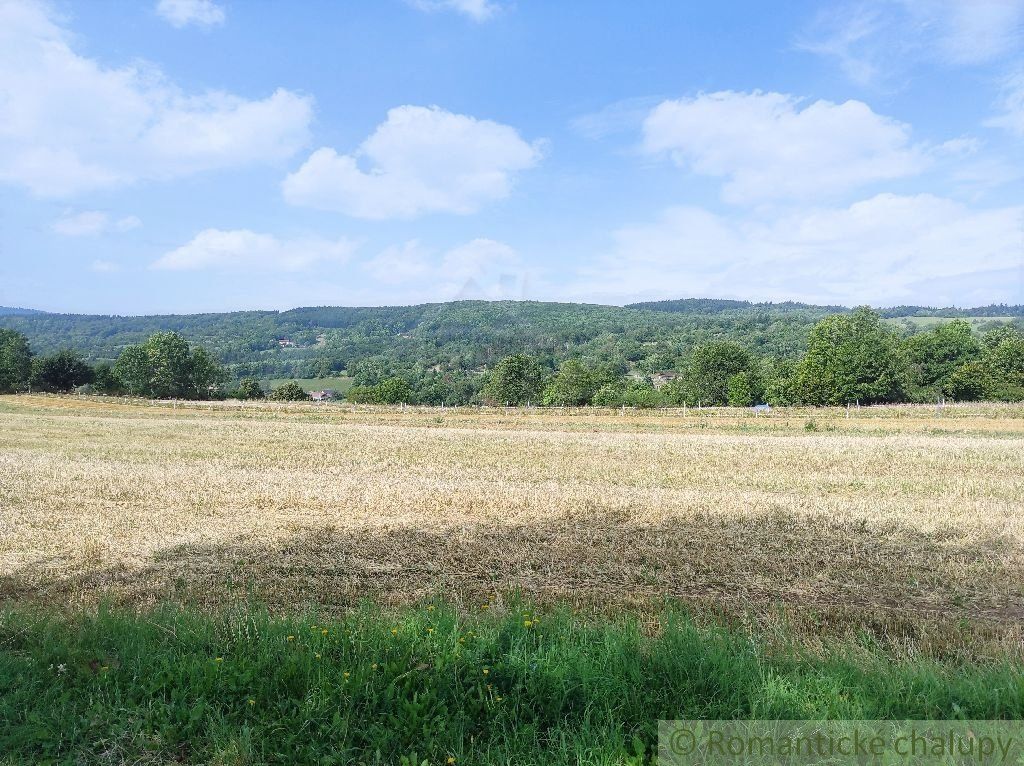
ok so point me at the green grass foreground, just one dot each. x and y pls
(428, 685)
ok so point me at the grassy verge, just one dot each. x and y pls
(339, 383)
(430, 684)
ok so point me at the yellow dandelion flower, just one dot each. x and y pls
(291, 638)
(373, 666)
(462, 640)
(487, 671)
(497, 698)
(318, 655)
(252, 701)
(486, 606)
(394, 631)
(430, 607)
(451, 759)
(527, 623)
(346, 674)
(323, 632)
(430, 630)
(218, 659)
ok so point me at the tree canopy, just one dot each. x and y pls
(15, 362)
(852, 358)
(60, 372)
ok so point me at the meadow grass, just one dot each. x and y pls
(432, 684)
(340, 383)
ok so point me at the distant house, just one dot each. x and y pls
(659, 379)
(284, 343)
(327, 395)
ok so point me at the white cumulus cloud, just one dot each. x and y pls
(888, 249)
(181, 13)
(71, 124)
(419, 160)
(770, 146)
(246, 251)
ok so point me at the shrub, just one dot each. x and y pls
(289, 392)
(249, 388)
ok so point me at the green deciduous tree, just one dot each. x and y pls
(572, 386)
(1004, 359)
(745, 389)
(394, 391)
(205, 377)
(250, 388)
(289, 392)
(640, 393)
(60, 372)
(168, 359)
(105, 381)
(852, 357)
(166, 367)
(710, 367)
(15, 362)
(132, 369)
(968, 382)
(516, 379)
(936, 354)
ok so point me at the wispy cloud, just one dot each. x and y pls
(91, 223)
(1011, 106)
(245, 250)
(886, 249)
(875, 42)
(204, 14)
(478, 10)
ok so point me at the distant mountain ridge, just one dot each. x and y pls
(719, 305)
(674, 306)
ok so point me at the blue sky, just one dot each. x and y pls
(208, 155)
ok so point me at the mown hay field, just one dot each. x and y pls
(904, 521)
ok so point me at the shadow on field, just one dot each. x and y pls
(888, 579)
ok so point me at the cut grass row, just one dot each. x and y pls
(432, 684)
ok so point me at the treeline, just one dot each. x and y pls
(165, 366)
(849, 357)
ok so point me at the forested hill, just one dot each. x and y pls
(458, 336)
(462, 335)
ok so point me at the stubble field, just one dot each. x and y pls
(903, 521)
